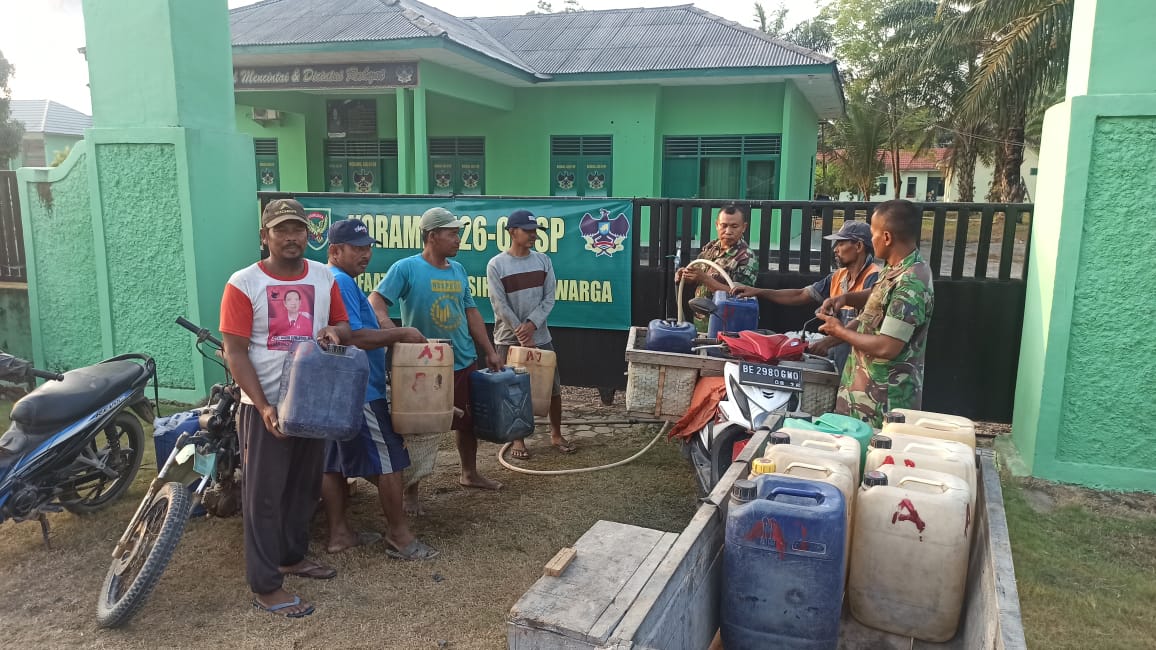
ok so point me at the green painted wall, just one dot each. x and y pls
(142, 299)
(800, 134)
(721, 110)
(1081, 413)
(15, 328)
(176, 70)
(291, 144)
(1083, 409)
(518, 141)
(57, 219)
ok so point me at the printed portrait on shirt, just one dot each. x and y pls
(291, 308)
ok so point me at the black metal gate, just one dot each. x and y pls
(12, 263)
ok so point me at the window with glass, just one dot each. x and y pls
(721, 167)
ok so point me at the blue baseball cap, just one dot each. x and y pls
(852, 231)
(352, 232)
(523, 219)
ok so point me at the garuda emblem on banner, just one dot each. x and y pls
(604, 235)
(318, 219)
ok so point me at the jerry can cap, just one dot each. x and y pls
(780, 438)
(762, 466)
(894, 416)
(743, 491)
(874, 478)
(881, 442)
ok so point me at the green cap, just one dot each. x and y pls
(435, 218)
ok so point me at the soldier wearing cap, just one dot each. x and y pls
(282, 474)
(857, 271)
(433, 293)
(378, 453)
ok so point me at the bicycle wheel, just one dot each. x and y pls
(137, 570)
(120, 446)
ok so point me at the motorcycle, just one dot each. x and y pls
(211, 457)
(71, 445)
(764, 385)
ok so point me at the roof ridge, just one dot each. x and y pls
(259, 3)
(420, 20)
(585, 11)
(798, 49)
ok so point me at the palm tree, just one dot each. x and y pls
(859, 138)
(993, 62)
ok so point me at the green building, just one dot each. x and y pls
(49, 129)
(397, 96)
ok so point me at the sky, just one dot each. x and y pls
(41, 37)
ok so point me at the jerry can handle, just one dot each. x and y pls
(819, 497)
(816, 468)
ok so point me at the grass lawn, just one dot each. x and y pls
(1085, 565)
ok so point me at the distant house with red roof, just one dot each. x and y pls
(926, 177)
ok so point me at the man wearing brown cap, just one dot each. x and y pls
(433, 293)
(857, 271)
(282, 475)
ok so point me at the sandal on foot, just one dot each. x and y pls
(364, 538)
(565, 447)
(416, 550)
(313, 571)
(522, 454)
(279, 607)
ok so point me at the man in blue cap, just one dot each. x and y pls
(377, 453)
(522, 283)
(857, 271)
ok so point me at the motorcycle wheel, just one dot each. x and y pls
(722, 451)
(137, 570)
(121, 446)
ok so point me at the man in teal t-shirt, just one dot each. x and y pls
(434, 295)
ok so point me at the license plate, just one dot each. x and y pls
(759, 374)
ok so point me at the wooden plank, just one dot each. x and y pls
(575, 609)
(1011, 628)
(559, 562)
(678, 607)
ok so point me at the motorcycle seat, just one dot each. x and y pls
(59, 403)
(16, 442)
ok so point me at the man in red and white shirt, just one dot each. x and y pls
(261, 320)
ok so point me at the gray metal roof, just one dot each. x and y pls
(47, 116)
(286, 22)
(605, 41)
(636, 40)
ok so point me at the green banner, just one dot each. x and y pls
(588, 242)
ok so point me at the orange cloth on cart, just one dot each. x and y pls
(708, 392)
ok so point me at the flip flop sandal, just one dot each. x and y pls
(314, 572)
(416, 550)
(521, 454)
(277, 609)
(566, 447)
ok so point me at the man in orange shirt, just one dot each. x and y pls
(857, 271)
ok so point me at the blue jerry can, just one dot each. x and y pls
(323, 391)
(733, 314)
(784, 564)
(502, 408)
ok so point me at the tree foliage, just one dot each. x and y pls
(11, 132)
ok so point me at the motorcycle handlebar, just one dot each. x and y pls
(202, 333)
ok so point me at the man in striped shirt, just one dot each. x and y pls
(521, 284)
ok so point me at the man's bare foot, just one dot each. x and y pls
(282, 603)
(411, 503)
(478, 481)
(339, 543)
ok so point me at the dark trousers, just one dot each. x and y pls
(279, 491)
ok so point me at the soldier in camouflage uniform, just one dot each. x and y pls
(889, 338)
(729, 251)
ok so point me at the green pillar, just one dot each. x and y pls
(420, 144)
(404, 142)
(1084, 411)
(161, 199)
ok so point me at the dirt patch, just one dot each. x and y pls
(1105, 502)
(493, 548)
